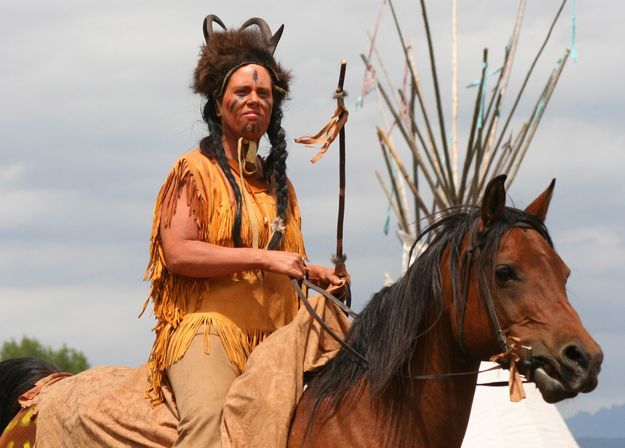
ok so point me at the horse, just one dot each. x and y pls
(489, 275)
(489, 282)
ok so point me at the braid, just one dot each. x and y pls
(275, 171)
(211, 147)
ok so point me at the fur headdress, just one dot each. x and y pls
(226, 51)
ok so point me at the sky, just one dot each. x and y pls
(95, 107)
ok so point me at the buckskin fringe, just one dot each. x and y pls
(168, 292)
(199, 177)
(170, 347)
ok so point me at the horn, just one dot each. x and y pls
(275, 39)
(208, 26)
(265, 31)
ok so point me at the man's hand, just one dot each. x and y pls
(322, 276)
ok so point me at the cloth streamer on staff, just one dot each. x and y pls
(329, 132)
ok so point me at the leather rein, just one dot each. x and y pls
(474, 252)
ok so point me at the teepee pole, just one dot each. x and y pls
(454, 91)
(413, 147)
(501, 91)
(467, 191)
(525, 81)
(415, 81)
(439, 105)
(386, 140)
(539, 110)
(394, 185)
(391, 199)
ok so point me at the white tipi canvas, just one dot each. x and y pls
(531, 423)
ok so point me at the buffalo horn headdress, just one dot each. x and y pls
(227, 50)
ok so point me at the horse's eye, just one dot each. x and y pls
(505, 273)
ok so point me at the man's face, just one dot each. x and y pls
(245, 108)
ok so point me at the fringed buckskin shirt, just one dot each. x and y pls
(242, 308)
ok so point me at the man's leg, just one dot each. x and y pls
(200, 383)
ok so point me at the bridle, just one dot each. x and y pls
(474, 252)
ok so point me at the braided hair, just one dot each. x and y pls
(223, 53)
(212, 148)
(275, 167)
(275, 173)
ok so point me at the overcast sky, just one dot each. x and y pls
(95, 106)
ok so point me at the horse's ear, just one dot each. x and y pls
(494, 200)
(540, 205)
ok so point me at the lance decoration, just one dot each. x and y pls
(325, 137)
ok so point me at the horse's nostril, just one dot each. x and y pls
(577, 355)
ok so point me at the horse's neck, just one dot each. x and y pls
(438, 409)
(443, 405)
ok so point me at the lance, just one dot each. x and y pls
(325, 137)
(339, 258)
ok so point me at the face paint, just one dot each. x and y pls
(247, 102)
(233, 104)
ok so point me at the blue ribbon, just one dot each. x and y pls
(477, 82)
(541, 106)
(359, 101)
(387, 223)
(480, 119)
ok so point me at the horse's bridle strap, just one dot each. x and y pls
(355, 352)
(474, 253)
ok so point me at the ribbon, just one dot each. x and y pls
(510, 357)
(539, 109)
(329, 132)
(367, 83)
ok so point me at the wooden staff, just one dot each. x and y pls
(325, 137)
(339, 258)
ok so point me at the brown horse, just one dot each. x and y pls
(435, 320)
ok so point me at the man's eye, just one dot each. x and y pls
(505, 273)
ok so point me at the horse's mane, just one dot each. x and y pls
(18, 375)
(389, 328)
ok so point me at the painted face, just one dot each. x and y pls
(245, 108)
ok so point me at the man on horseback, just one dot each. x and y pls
(226, 235)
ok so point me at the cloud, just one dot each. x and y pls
(600, 250)
(98, 319)
(96, 107)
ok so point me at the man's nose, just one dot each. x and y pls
(253, 97)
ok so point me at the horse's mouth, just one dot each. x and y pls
(548, 379)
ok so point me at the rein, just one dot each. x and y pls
(474, 250)
(320, 320)
(359, 355)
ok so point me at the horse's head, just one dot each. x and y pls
(526, 280)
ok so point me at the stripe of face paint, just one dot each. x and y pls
(233, 104)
